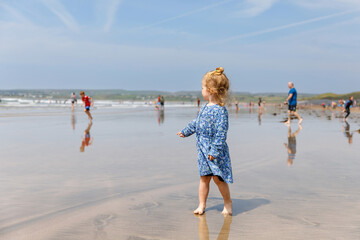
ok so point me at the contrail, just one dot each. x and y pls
(15, 13)
(275, 29)
(111, 14)
(60, 11)
(187, 14)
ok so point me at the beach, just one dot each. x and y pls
(135, 179)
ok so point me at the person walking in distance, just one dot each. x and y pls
(291, 101)
(347, 106)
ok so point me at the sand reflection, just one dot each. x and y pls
(160, 116)
(204, 229)
(348, 134)
(73, 121)
(87, 140)
(291, 145)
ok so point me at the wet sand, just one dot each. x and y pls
(138, 180)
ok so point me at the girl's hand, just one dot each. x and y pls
(180, 134)
(211, 157)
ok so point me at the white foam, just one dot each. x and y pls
(52, 103)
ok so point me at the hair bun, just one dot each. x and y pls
(219, 70)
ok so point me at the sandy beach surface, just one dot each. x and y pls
(138, 180)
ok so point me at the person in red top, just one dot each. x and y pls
(87, 101)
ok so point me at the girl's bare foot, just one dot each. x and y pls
(227, 208)
(300, 121)
(200, 210)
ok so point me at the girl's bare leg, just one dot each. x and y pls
(204, 187)
(225, 192)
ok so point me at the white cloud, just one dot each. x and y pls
(252, 8)
(17, 16)
(187, 13)
(111, 14)
(59, 10)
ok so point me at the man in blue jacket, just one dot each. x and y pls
(292, 103)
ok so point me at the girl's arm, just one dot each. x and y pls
(222, 126)
(92, 101)
(190, 129)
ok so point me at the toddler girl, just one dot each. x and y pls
(211, 127)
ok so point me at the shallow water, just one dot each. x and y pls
(138, 180)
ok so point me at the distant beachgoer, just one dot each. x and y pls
(158, 102)
(87, 101)
(292, 103)
(341, 103)
(162, 101)
(87, 140)
(291, 145)
(333, 104)
(73, 100)
(198, 102)
(347, 107)
(236, 106)
(259, 102)
(211, 127)
(251, 107)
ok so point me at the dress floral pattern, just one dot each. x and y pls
(211, 126)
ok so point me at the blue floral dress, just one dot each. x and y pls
(211, 127)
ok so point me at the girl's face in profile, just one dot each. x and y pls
(205, 93)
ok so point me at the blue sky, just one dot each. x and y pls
(170, 44)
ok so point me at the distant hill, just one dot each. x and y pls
(333, 96)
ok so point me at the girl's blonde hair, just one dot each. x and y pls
(218, 84)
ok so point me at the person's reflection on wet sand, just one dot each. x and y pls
(291, 145)
(87, 140)
(73, 121)
(161, 116)
(347, 133)
(259, 117)
(204, 229)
